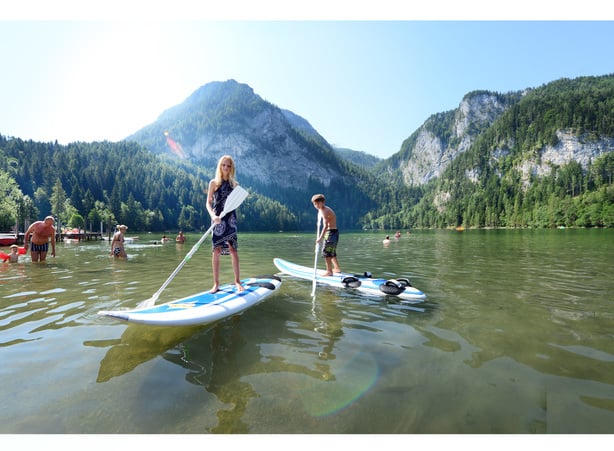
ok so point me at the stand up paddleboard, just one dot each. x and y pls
(382, 287)
(202, 308)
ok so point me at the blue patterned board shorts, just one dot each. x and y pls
(39, 247)
(331, 239)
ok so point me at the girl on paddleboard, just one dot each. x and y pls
(224, 235)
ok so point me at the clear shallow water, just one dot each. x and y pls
(515, 337)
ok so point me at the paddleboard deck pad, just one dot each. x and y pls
(383, 287)
(202, 308)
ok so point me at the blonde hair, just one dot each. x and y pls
(218, 172)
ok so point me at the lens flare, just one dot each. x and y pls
(325, 397)
(174, 146)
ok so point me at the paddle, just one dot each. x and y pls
(234, 199)
(315, 262)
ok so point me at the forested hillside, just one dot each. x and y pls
(519, 173)
(89, 183)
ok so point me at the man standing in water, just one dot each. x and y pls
(41, 232)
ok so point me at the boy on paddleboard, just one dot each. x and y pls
(329, 233)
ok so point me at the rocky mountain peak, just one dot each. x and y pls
(433, 150)
(270, 146)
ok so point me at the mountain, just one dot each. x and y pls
(444, 136)
(228, 118)
(539, 157)
(277, 153)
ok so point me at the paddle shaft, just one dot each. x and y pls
(183, 262)
(315, 259)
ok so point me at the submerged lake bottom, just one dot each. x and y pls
(515, 337)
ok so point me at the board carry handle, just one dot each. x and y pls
(262, 284)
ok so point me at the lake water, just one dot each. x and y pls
(516, 337)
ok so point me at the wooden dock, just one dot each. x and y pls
(59, 237)
(84, 236)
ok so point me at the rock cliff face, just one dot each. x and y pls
(582, 150)
(431, 154)
(268, 150)
(572, 148)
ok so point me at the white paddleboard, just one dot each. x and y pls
(202, 308)
(400, 288)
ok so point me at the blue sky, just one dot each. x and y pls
(362, 84)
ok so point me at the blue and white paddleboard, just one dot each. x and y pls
(382, 287)
(202, 308)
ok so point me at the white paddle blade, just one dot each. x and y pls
(234, 199)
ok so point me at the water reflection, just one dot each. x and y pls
(215, 361)
(137, 345)
(223, 358)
